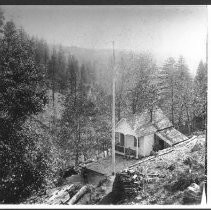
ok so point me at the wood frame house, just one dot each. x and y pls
(140, 134)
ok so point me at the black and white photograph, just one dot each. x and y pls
(103, 105)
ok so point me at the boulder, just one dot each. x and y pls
(192, 195)
(198, 146)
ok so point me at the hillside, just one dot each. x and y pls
(174, 176)
(101, 61)
(46, 115)
(166, 178)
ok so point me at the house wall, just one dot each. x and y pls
(141, 148)
(129, 142)
(148, 144)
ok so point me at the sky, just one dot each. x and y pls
(162, 30)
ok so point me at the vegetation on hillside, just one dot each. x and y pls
(166, 180)
(36, 145)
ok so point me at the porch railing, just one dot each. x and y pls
(129, 151)
(119, 148)
(126, 151)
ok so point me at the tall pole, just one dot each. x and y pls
(113, 114)
(205, 199)
(53, 88)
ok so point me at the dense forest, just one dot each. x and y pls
(32, 154)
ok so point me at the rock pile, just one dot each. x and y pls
(192, 194)
(131, 182)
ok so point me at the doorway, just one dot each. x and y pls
(159, 143)
(122, 140)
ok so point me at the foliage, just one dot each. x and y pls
(140, 83)
(200, 94)
(1, 19)
(167, 86)
(180, 93)
(33, 157)
(21, 95)
(102, 121)
(20, 78)
(77, 131)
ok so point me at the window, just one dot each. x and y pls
(122, 139)
(135, 142)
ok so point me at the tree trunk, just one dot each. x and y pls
(76, 157)
(78, 195)
(172, 105)
(134, 103)
(151, 114)
(133, 108)
(53, 93)
(78, 135)
(180, 117)
(119, 110)
(187, 113)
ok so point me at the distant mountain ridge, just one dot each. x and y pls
(101, 60)
(103, 55)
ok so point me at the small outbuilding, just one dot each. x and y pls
(140, 134)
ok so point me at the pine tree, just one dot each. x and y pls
(61, 70)
(121, 80)
(21, 95)
(20, 79)
(200, 92)
(184, 94)
(52, 79)
(76, 120)
(102, 120)
(72, 73)
(142, 90)
(167, 86)
(1, 20)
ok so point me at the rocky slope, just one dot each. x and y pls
(176, 176)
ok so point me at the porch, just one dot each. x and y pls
(130, 145)
(121, 150)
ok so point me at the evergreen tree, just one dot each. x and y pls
(1, 20)
(167, 86)
(72, 73)
(61, 70)
(200, 92)
(121, 80)
(142, 88)
(41, 52)
(102, 120)
(20, 78)
(21, 95)
(184, 95)
(77, 119)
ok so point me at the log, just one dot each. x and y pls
(61, 195)
(78, 195)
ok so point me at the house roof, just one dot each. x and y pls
(104, 165)
(171, 136)
(146, 130)
(140, 125)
